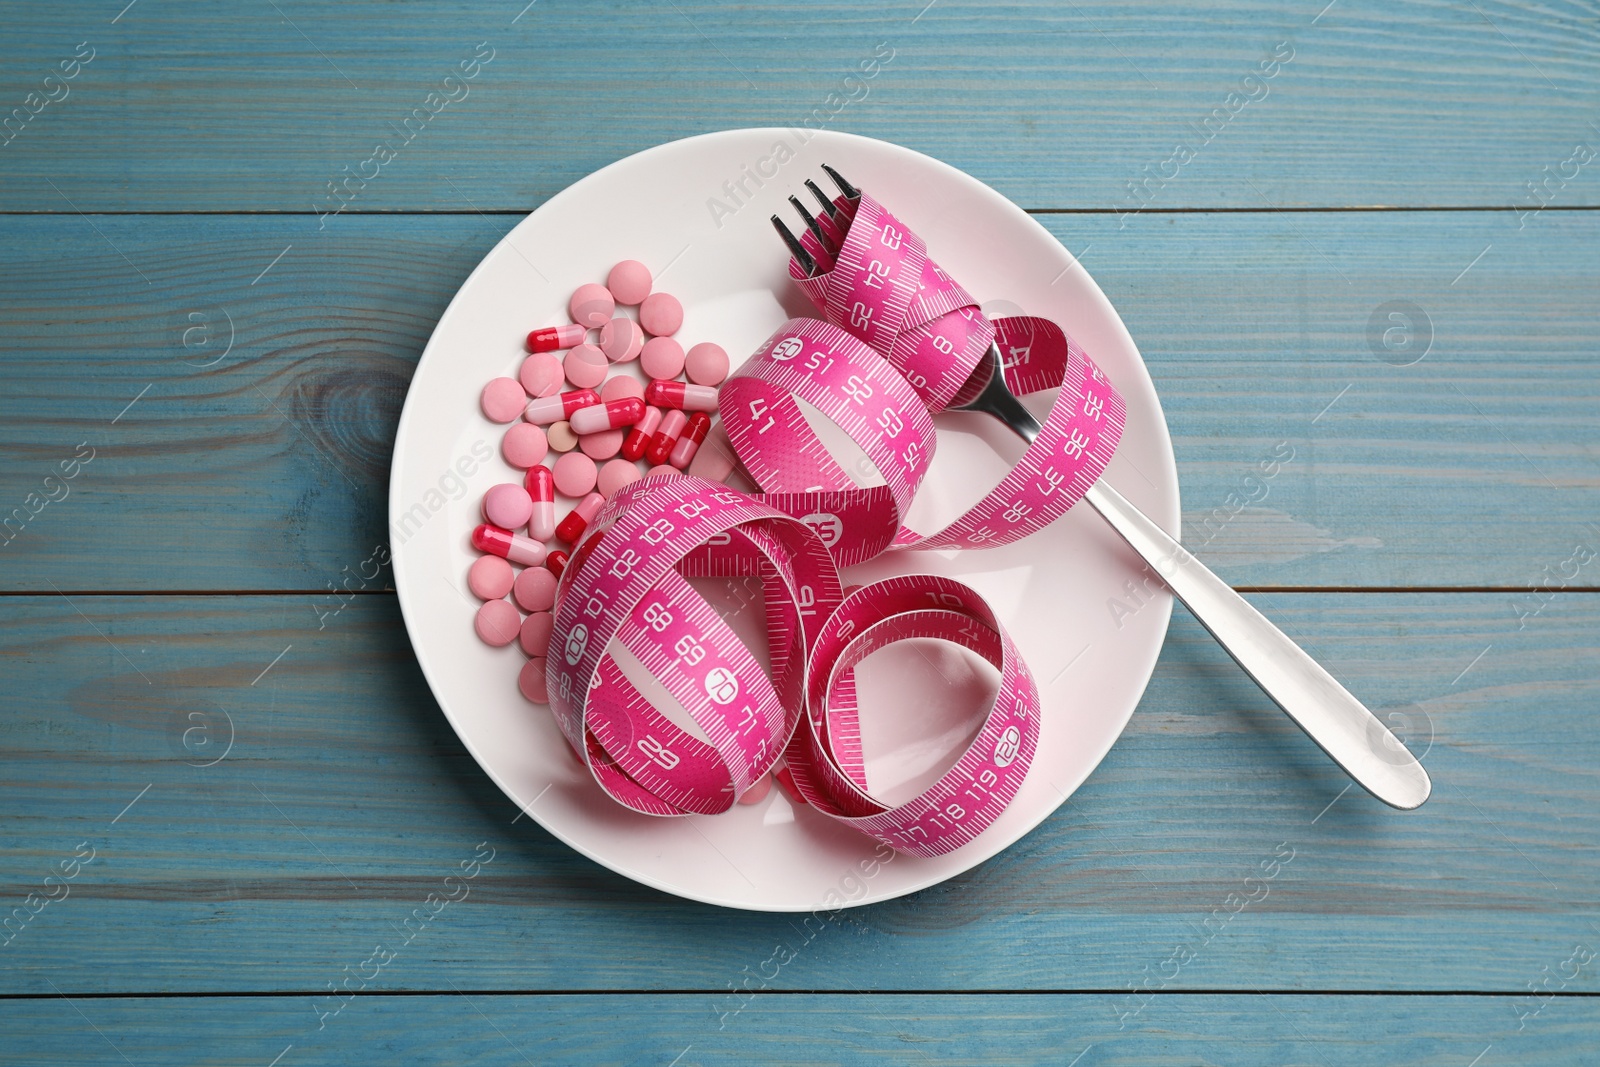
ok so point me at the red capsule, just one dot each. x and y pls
(556, 562)
(613, 415)
(637, 442)
(541, 485)
(672, 425)
(687, 445)
(498, 541)
(543, 410)
(578, 520)
(678, 395)
(786, 780)
(552, 338)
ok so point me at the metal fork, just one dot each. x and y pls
(1340, 724)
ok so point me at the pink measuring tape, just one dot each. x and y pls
(626, 582)
(825, 758)
(901, 341)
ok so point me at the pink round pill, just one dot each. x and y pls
(662, 358)
(497, 623)
(502, 395)
(575, 475)
(490, 578)
(602, 445)
(592, 305)
(706, 363)
(535, 633)
(621, 340)
(616, 474)
(629, 281)
(507, 505)
(524, 445)
(535, 589)
(621, 387)
(585, 366)
(540, 374)
(531, 683)
(661, 314)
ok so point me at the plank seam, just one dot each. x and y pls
(853, 991)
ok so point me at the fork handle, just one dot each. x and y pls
(1351, 735)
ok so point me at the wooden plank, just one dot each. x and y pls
(195, 106)
(472, 1027)
(263, 465)
(345, 800)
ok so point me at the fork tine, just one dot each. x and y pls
(850, 191)
(822, 198)
(810, 221)
(796, 249)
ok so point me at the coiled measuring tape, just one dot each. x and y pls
(627, 582)
(826, 759)
(901, 341)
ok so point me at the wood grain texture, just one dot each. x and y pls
(264, 465)
(469, 1027)
(269, 789)
(193, 106)
(345, 800)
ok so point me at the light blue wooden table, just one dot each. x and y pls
(221, 370)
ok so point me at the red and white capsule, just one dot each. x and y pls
(578, 520)
(666, 436)
(554, 338)
(556, 562)
(680, 396)
(541, 485)
(543, 410)
(637, 442)
(687, 445)
(613, 415)
(498, 541)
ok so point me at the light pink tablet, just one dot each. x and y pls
(503, 400)
(616, 474)
(592, 306)
(661, 314)
(575, 475)
(586, 366)
(602, 445)
(706, 364)
(541, 374)
(490, 578)
(621, 387)
(535, 589)
(535, 633)
(497, 623)
(507, 505)
(621, 340)
(629, 282)
(662, 358)
(530, 682)
(524, 445)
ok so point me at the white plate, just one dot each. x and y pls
(696, 212)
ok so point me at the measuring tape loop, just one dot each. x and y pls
(884, 289)
(825, 757)
(625, 596)
(812, 364)
(807, 363)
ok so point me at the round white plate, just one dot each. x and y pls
(696, 212)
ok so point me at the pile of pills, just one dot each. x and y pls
(581, 426)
